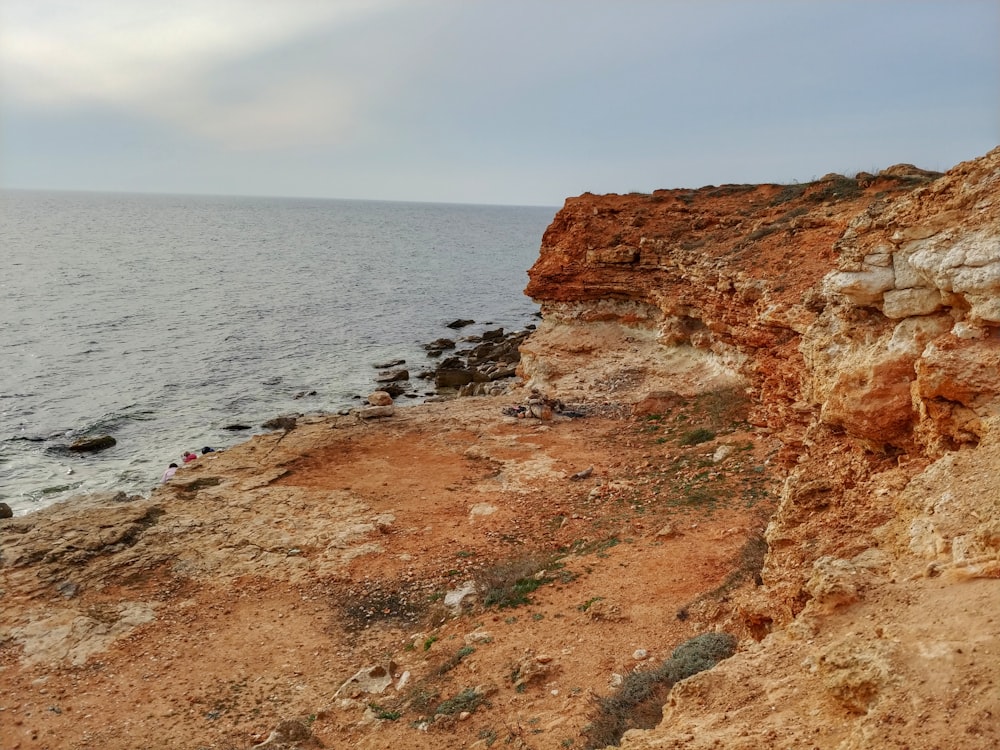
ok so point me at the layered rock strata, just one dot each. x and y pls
(863, 318)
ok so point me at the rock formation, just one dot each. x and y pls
(863, 318)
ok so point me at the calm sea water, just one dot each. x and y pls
(162, 319)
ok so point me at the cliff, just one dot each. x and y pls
(760, 410)
(863, 317)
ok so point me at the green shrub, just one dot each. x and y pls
(455, 660)
(468, 700)
(638, 703)
(694, 437)
(509, 584)
(384, 713)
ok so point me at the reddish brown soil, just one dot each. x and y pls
(629, 551)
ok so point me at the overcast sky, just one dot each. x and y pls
(487, 101)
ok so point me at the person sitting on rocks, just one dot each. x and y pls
(189, 456)
(171, 470)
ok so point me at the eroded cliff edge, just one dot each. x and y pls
(863, 317)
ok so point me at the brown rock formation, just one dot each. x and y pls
(863, 317)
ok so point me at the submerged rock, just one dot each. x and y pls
(92, 444)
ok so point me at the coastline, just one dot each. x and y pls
(247, 590)
(782, 444)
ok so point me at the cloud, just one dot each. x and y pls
(168, 62)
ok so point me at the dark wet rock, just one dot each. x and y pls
(499, 373)
(285, 423)
(439, 345)
(449, 378)
(393, 389)
(390, 363)
(460, 323)
(392, 376)
(5, 511)
(92, 444)
(236, 427)
(303, 394)
(451, 363)
(495, 335)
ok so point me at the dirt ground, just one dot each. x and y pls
(631, 559)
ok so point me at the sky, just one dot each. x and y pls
(521, 102)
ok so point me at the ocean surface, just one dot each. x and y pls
(161, 319)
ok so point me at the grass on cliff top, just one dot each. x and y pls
(638, 703)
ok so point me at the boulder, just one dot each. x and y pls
(380, 398)
(5, 511)
(373, 412)
(390, 363)
(860, 287)
(371, 680)
(394, 389)
(452, 378)
(392, 376)
(440, 344)
(911, 302)
(93, 444)
(460, 323)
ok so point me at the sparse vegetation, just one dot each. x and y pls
(638, 703)
(381, 603)
(456, 659)
(488, 735)
(695, 437)
(510, 583)
(586, 547)
(467, 700)
(749, 563)
(383, 713)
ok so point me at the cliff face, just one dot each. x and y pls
(862, 316)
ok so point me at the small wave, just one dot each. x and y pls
(55, 490)
(114, 421)
(32, 438)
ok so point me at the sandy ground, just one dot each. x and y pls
(308, 556)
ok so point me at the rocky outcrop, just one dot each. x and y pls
(92, 444)
(862, 317)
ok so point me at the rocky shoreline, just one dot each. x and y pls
(785, 454)
(471, 365)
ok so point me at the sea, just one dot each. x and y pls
(162, 319)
